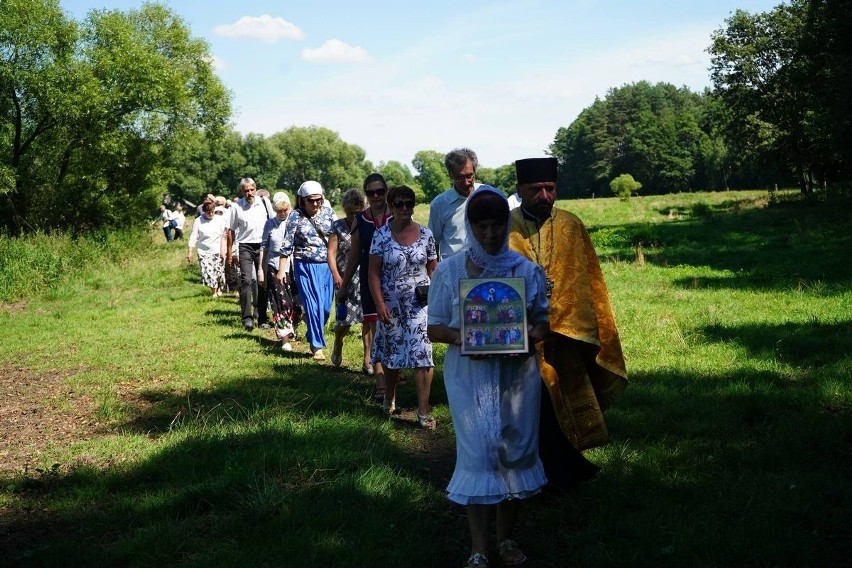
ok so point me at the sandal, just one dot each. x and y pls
(428, 422)
(389, 407)
(477, 559)
(379, 394)
(510, 554)
(367, 369)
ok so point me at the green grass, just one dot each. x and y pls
(729, 448)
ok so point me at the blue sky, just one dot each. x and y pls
(395, 77)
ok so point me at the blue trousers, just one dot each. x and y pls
(316, 291)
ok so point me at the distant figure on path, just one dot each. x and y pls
(166, 219)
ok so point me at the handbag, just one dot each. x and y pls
(421, 294)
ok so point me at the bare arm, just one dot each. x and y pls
(332, 260)
(374, 279)
(440, 333)
(229, 260)
(430, 267)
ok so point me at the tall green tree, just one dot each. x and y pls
(264, 161)
(317, 153)
(201, 162)
(431, 173)
(763, 73)
(652, 131)
(397, 173)
(89, 108)
(39, 101)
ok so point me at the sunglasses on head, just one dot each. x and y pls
(375, 192)
(406, 203)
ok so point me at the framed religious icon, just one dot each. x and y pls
(493, 316)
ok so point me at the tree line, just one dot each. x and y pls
(778, 113)
(102, 118)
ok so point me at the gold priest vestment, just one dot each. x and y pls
(581, 360)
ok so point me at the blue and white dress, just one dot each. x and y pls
(402, 343)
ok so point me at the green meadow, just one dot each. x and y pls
(142, 426)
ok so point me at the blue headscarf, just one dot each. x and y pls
(502, 263)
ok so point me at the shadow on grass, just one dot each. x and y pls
(717, 470)
(772, 249)
(802, 345)
(294, 469)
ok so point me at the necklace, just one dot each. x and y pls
(548, 281)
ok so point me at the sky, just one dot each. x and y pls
(398, 76)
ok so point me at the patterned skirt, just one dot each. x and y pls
(212, 270)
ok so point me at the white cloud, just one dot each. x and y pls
(469, 58)
(264, 28)
(336, 51)
(218, 63)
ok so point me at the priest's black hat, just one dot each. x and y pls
(534, 170)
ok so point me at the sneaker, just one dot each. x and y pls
(265, 325)
(286, 346)
(248, 324)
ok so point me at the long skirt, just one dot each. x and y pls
(285, 310)
(212, 270)
(316, 291)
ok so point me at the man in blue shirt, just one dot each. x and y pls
(446, 212)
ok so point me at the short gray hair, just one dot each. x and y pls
(455, 160)
(246, 181)
(353, 197)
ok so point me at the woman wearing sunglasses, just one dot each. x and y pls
(306, 239)
(376, 215)
(402, 257)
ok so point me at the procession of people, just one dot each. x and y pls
(522, 416)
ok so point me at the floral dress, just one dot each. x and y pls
(353, 291)
(402, 343)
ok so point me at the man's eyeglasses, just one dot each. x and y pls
(375, 192)
(407, 204)
(464, 177)
(315, 201)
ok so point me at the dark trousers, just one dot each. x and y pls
(249, 294)
(167, 230)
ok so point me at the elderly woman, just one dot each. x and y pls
(209, 235)
(284, 310)
(403, 256)
(339, 250)
(494, 400)
(376, 215)
(306, 241)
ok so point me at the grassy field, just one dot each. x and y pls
(141, 426)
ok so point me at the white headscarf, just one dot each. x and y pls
(502, 263)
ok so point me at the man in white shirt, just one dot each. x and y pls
(248, 216)
(446, 212)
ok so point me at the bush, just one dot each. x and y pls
(41, 261)
(624, 186)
